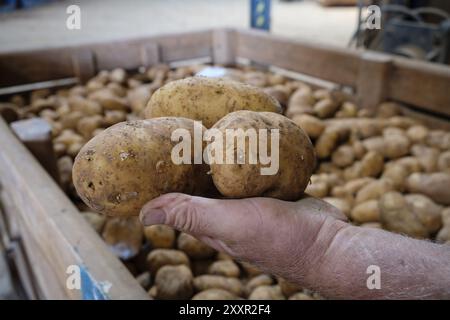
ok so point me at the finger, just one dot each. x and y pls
(318, 206)
(198, 216)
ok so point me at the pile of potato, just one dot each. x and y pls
(384, 171)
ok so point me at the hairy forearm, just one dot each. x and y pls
(409, 268)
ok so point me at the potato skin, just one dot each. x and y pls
(207, 99)
(296, 159)
(128, 164)
(174, 282)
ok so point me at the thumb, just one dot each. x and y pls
(198, 216)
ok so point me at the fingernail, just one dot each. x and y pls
(153, 216)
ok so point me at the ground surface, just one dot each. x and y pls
(45, 26)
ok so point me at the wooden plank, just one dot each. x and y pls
(424, 85)
(85, 60)
(36, 135)
(56, 228)
(224, 47)
(431, 121)
(185, 46)
(41, 65)
(150, 54)
(332, 64)
(373, 78)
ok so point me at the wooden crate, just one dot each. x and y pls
(55, 235)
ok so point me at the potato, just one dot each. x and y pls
(433, 185)
(255, 78)
(124, 236)
(366, 211)
(374, 144)
(426, 156)
(401, 122)
(85, 106)
(443, 162)
(428, 212)
(376, 225)
(139, 98)
(60, 149)
(330, 168)
(325, 108)
(128, 164)
(260, 280)
(226, 268)
(439, 139)
(215, 294)
(317, 188)
(350, 188)
(342, 204)
(223, 256)
(118, 75)
(329, 139)
(160, 236)
(287, 288)
(153, 292)
(279, 94)
(358, 148)
(96, 220)
(347, 110)
(301, 101)
(411, 164)
(87, 125)
(113, 116)
(343, 156)
(162, 257)
(373, 190)
(241, 180)
(397, 174)
(250, 270)
(74, 148)
(144, 279)
(109, 100)
(174, 282)
(388, 109)
(65, 165)
(396, 146)
(205, 282)
(371, 165)
(70, 120)
(207, 99)
(310, 124)
(300, 296)
(417, 133)
(444, 233)
(194, 248)
(367, 127)
(267, 293)
(397, 217)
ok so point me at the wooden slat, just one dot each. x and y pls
(41, 65)
(84, 61)
(424, 85)
(332, 64)
(185, 46)
(373, 79)
(55, 227)
(224, 47)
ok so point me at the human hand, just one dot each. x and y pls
(307, 242)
